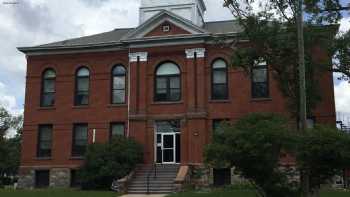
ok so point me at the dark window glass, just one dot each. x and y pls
(168, 83)
(82, 86)
(260, 85)
(219, 80)
(117, 129)
(217, 125)
(48, 88)
(75, 180)
(42, 178)
(118, 84)
(44, 141)
(80, 139)
(222, 177)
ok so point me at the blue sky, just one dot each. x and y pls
(33, 22)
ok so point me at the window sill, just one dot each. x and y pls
(261, 99)
(81, 107)
(46, 108)
(167, 102)
(43, 158)
(117, 105)
(220, 101)
(77, 158)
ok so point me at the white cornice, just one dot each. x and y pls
(142, 56)
(199, 51)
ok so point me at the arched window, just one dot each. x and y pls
(48, 89)
(219, 80)
(167, 82)
(82, 85)
(118, 84)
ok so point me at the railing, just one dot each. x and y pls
(150, 172)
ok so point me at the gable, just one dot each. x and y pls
(160, 30)
(153, 27)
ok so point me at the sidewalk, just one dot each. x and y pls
(144, 195)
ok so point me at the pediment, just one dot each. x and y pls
(153, 27)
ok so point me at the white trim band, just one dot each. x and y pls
(142, 55)
(199, 51)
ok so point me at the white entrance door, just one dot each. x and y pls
(168, 148)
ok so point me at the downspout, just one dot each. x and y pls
(129, 91)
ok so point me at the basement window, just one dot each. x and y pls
(42, 178)
(222, 177)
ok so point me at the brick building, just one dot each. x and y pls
(167, 83)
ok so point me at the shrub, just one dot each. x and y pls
(107, 162)
(253, 145)
(323, 152)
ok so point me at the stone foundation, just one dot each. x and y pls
(60, 177)
(26, 178)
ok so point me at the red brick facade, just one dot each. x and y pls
(196, 110)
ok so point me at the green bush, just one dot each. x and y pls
(107, 162)
(322, 153)
(253, 145)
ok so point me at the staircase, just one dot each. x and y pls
(146, 181)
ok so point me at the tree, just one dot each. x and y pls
(107, 162)
(325, 152)
(253, 146)
(9, 147)
(272, 33)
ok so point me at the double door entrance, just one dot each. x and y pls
(168, 143)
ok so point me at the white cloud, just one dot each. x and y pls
(342, 93)
(8, 101)
(345, 24)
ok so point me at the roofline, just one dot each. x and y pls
(118, 45)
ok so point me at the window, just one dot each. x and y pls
(166, 28)
(118, 84)
(44, 141)
(80, 139)
(117, 129)
(168, 83)
(217, 125)
(219, 80)
(260, 85)
(42, 178)
(82, 86)
(48, 88)
(222, 177)
(75, 181)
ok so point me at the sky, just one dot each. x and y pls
(34, 22)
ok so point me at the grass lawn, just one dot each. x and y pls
(54, 193)
(247, 193)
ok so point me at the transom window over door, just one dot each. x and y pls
(168, 82)
(219, 80)
(82, 86)
(48, 89)
(118, 84)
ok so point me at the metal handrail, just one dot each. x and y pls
(154, 168)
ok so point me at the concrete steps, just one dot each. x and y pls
(161, 183)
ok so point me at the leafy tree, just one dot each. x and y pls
(9, 147)
(272, 34)
(323, 152)
(106, 162)
(253, 146)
